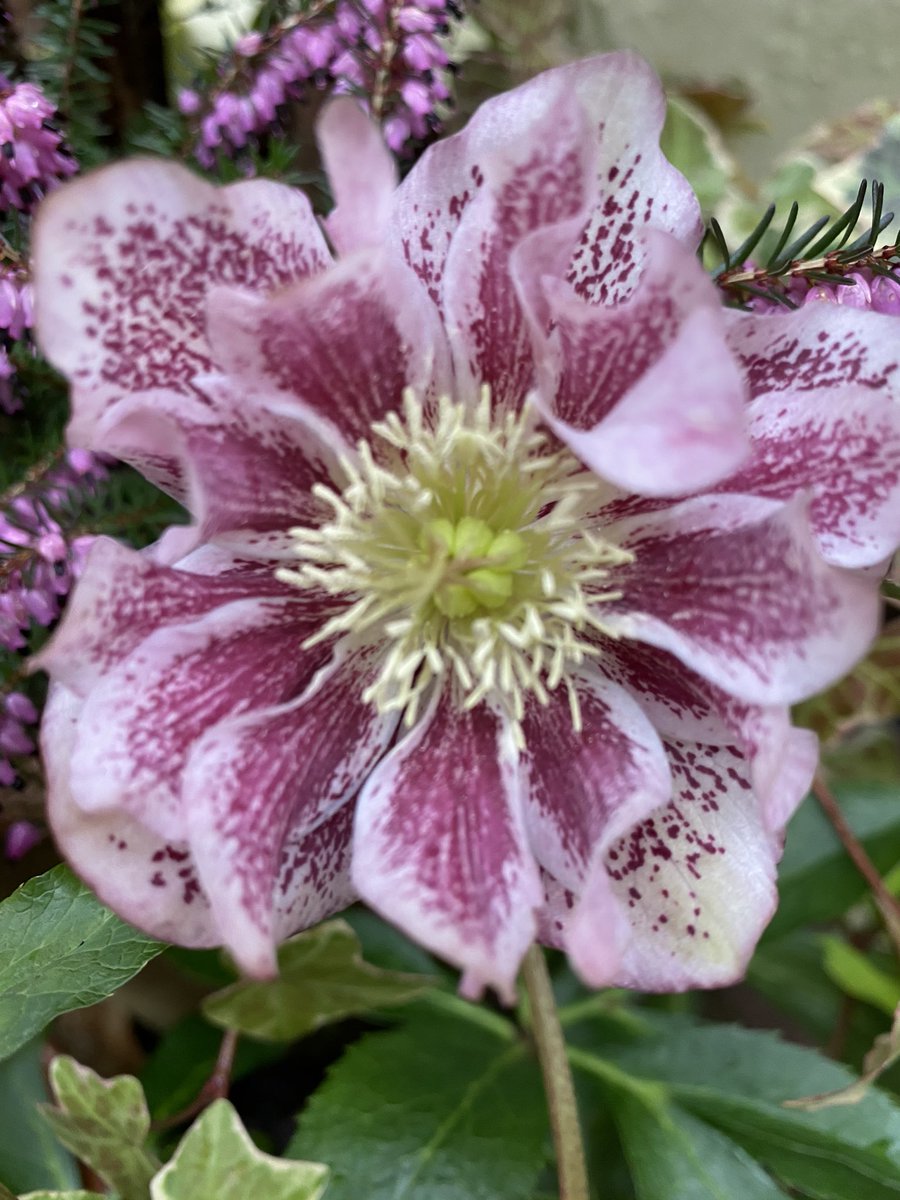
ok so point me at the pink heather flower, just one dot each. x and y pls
(33, 158)
(445, 632)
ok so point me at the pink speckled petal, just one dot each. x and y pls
(646, 394)
(440, 847)
(149, 881)
(696, 879)
(586, 788)
(540, 181)
(123, 596)
(346, 344)
(736, 588)
(684, 706)
(844, 445)
(623, 109)
(362, 173)
(142, 719)
(818, 346)
(123, 259)
(314, 881)
(279, 773)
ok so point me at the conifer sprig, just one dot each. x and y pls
(822, 254)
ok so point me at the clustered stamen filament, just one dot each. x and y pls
(463, 544)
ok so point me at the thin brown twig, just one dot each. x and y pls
(887, 904)
(215, 1088)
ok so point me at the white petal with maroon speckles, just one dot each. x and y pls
(843, 444)
(736, 588)
(696, 879)
(818, 346)
(149, 881)
(142, 719)
(583, 789)
(123, 596)
(683, 705)
(257, 785)
(123, 259)
(440, 847)
(623, 109)
(346, 344)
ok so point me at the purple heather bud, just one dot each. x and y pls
(417, 96)
(820, 293)
(397, 132)
(18, 706)
(423, 53)
(189, 102)
(7, 774)
(855, 294)
(348, 22)
(21, 836)
(414, 20)
(249, 44)
(885, 295)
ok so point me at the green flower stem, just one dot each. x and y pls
(558, 1086)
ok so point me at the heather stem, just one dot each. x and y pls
(558, 1086)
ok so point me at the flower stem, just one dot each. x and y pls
(558, 1086)
(887, 904)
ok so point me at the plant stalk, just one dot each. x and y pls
(558, 1087)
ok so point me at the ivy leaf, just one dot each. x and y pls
(441, 1109)
(30, 1156)
(60, 949)
(322, 978)
(216, 1160)
(104, 1122)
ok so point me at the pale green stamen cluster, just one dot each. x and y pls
(465, 546)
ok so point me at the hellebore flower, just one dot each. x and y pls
(415, 646)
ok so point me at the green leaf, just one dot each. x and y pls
(689, 141)
(817, 882)
(737, 1080)
(30, 1156)
(442, 1109)
(858, 976)
(818, 1162)
(60, 949)
(216, 1160)
(322, 978)
(77, 1195)
(104, 1122)
(674, 1156)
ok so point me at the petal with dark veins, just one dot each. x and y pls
(123, 260)
(440, 846)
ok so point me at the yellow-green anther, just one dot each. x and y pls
(491, 588)
(473, 538)
(455, 600)
(508, 550)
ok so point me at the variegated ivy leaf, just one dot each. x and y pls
(104, 1122)
(216, 1160)
(322, 978)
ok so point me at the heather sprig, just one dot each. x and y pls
(33, 155)
(388, 53)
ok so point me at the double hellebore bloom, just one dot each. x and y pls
(439, 635)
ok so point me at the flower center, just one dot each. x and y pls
(463, 542)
